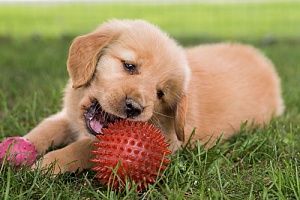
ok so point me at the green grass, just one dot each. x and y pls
(206, 20)
(256, 164)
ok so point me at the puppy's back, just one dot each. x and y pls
(230, 83)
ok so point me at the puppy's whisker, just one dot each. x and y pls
(155, 121)
(162, 114)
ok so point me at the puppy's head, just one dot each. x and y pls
(132, 70)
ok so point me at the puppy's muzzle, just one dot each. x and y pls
(132, 108)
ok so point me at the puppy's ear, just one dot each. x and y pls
(84, 54)
(180, 115)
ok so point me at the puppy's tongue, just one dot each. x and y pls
(96, 126)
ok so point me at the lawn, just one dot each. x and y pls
(257, 164)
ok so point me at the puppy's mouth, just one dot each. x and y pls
(96, 118)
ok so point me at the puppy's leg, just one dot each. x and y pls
(52, 131)
(74, 157)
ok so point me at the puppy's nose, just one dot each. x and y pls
(132, 108)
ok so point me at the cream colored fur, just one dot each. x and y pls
(213, 88)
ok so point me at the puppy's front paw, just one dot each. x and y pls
(56, 162)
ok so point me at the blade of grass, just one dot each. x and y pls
(6, 197)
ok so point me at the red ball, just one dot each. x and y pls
(130, 151)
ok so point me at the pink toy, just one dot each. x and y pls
(17, 151)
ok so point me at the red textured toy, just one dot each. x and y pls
(130, 151)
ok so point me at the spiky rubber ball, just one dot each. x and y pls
(130, 152)
(17, 151)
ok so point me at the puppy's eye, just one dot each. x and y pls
(159, 94)
(129, 67)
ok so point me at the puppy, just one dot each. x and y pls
(132, 70)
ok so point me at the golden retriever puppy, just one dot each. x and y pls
(130, 69)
